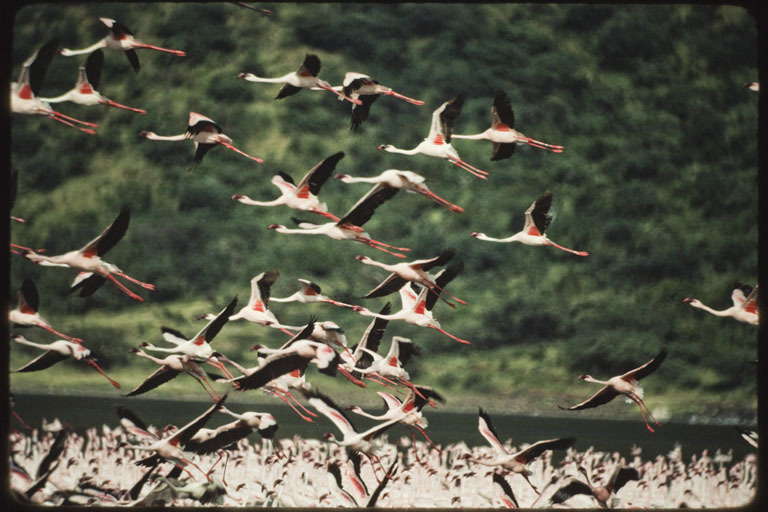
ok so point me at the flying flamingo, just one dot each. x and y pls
(58, 351)
(537, 221)
(304, 195)
(93, 270)
(438, 142)
(171, 366)
(85, 91)
(744, 309)
(625, 384)
(502, 133)
(26, 312)
(515, 462)
(406, 180)
(311, 293)
(415, 271)
(205, 133)
(120, 39)
(752, 86)
(304, 78)
(417, 309)
(362, 87)
(602, 493)
(345, 498)
(349, 227)
(199, 346)
(257, 309)
(504, 491)
(25, 91)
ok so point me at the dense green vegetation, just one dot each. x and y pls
(658, 182)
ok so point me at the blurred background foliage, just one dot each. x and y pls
(658, 182)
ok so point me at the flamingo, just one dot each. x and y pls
(26, 312)
(364, 352)
(349, 227)
(537, 221)
(515, 462)
(205, 133)
(438, 142)
(58, 351)
(406, 180)
(417, 309)
(415, 271)
(171, 448)
(744, 309)
(304, 195)
(603, 493)
(626, 384)
(304, 78)
(199, 346)
(752, 86)
(362, 87)
(120, 39)
(504, 491)
(171, 366)
(311, 293)
(25, 91)
(85, 91)
(391, 366)
(93, 270)
(345, 498)
(502, 132)
(257, 309)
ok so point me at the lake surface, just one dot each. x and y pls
(83, 412)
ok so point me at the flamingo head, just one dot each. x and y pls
(274, 226)
(257, 346)
(585, 377)
(134, 350)
(237, 196)
(475, 234)
(360, 257)
(689, 300)
(384, 146)
(352, 408)
(341, 176)
(329, 436)
(144, 344)
(146, 133)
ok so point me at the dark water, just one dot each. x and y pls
(444, 427)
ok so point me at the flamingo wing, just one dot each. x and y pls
(325, 406)
(621, 476)
(438, 261)
(648, 368)
(37, 65)
(391, 284)
(87, 283)
(537, 214)
(310, 66)
(29, 297)
(225, 436)
(264, 284)
(377, 492)
(213, 327)
(319, 174)
(442, 279)
(505, 488)
(43, 361)
(502, 150)
(372, 336)
(110, 236)
(160, 376)
(133, 59)
(287, 90)
(93, 65)
(360, 112)
(570, 489)
(485, 426)
(406, 348)
(363, 210)
(449, 114)
(603, 396)
(185, 433)
(54, 452)
(502, 115)
(201, 149)
(272, 368)
(540, 447)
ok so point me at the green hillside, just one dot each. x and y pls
(658, 182)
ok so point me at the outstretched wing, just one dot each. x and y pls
(213, 327)
(485, 426)
(603, 396)
(502, 116)
(158, 377)
(648, 368)
(319, 174)
(110, 236)
(540, 447)
(43, 361)
(363, 210)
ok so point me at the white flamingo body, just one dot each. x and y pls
(304, 78)
(366, 90)
(745, 306)
(406, 180)
(120, 39)
(438, 142)
(303, 196)
(502, 132)
(93, 270)
(537, 221)
(26, 312)
(84, 92)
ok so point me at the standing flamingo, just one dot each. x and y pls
(26, 312)
(257, 309)
(25, 91)
(304, 195)
(85, 91)
(171, 366)
(362, 87)
(537, 221)
(438, 142)
(417, 309)
(416, 271)
(745, 305)
(58, 351)
(349, 227)
(626, 384)
(304, 78)
(120, 39)
(406, 180)
(93, 270)
(502, 133)
(205, 133)
(515, 462)
(311, 293)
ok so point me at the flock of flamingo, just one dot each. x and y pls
(279, 472)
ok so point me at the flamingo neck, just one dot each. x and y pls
(66, 52)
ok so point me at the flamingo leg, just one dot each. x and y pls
(415, 390)
(327, 215)
(577, 253)
(214, 396)
(465, 166)
(135, 281)
(98, 369)
(439, 200)
(350, 377)
(16, 415)
(529, 483)
(124, 288)
(72, 119)
(366, 242)
(375, 378)
(415, 451)
(118, 105)
(274, 393)
(220, 366)
(543, 145)
(406, 98)
(233, 148)
(18, 219)
(339, 94)
(286, 331)
(650, 428)
(382, 244)
(57, 333)
(649, 413)
(289, 395)
(449, 335)
(86, 130)
(427, 438)
(159, 49)
(442, 291)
